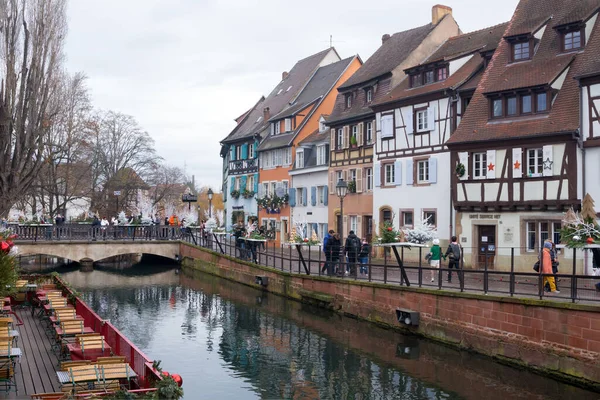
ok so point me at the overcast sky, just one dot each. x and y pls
(186, 68)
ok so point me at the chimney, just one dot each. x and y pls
(384, 38)
(266, 114)
(438, 12)
(284, 75)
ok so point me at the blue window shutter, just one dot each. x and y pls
(255, 149)
(377, 175)
(245, 151)
(256, 183)
(313, 196)
(292, 196)
(243, 182)
(232, 156)
(304, 195)
(433, 170)
(326, 195)
(232, 187)
(398, 172)
(325, 230)
(409, 171)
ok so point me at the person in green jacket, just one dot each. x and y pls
(435, 254)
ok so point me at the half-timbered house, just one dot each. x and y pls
(352, 122)
(516, 163)
(412, 167)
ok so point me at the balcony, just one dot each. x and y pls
(243, 166)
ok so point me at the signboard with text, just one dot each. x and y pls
(189, 198)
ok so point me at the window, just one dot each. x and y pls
(299, 198)
(526, 104)
(480, 165)
(430, 217)
(238, 152)
(389, 174)
(497, 108)
(369, 95)
(423, 171)
(237, 183)
(288, 124)
(387, 126)
(354, 223)
(537, 232)
(521, 51)
(322, 126)
(535, 162)
(272, 187)
(386, 215)
(339, 176)
(572, 40)
(277, 127)
(265, 189)
(542, 104)
(369, 126)
(299, 158)
(442, 74)
(250, 183)
(406, 218)
(263, 222)
(369, 176)
(352, 175)
(285, 185)
(349, 101)
(415, 80)
(287, 156)
(251, 151)
(354, 134)
(422, 121)
(340, 139)
(428, 77)
(511, 106)
(321, 193)
(321, 155)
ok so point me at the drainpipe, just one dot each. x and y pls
(580, 141)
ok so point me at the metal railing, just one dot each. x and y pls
(85, 232)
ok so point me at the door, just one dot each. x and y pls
(367, 227)
(486, 246)
(284, 230)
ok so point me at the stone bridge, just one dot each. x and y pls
(90, 251)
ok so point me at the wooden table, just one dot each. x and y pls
(95, 374)
(89, 349)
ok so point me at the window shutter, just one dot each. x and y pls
(232, 187)
(272, 128)
(409, 123)
(243, 182)
(346, 143)
(325, 196)
(517, 162)
(304, 196)
(232, 153)
(313, 195)
(387, 126)
(332, 139)
(292, 196)
(491, 164)
(359, 180)
(548, 163)
(433, 170)
(377, 174)
(288, 124)
(345, 176)
(245, 151)
(255, 183)
(331, 181)
(359, 227)
(360, 138)
(463, 158)
(255, 149)
(398, 172)
(431, 118)
(409, 171)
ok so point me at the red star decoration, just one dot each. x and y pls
(517, 165)
(491, 167)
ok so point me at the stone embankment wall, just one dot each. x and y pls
(554, 338)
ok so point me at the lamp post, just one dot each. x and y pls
(210, 196)
(341, 189)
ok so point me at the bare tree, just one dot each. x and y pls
(32, 36)
(165, 181)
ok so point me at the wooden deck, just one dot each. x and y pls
(36, 371)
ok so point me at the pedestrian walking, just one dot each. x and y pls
(326, 239)
(546, 267)
(334, 245)
(454, 253)
(434, 256)
(363, 257)
(352, 249)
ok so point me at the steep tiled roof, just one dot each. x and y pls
(547, 63)
(389, 55)
(455, 47)
(279, 97)
(360, 107)
(321, 83)
(316, 138)
(590, 59)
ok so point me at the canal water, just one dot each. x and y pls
(229, 341)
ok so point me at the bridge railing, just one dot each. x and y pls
(86, 232)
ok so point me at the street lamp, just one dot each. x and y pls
(210, 196)
(341, 189)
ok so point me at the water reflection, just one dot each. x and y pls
(230, 341)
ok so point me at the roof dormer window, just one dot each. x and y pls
(369, 95)
(573, 40)
(348, 100)
(521, 51)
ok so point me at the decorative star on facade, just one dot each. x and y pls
(517, 165)
(491, 167)
(548, 163)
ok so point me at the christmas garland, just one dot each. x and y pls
(273, 204)
(460, 170)
(247, 194)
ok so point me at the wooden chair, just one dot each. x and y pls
(7, 333)
(51, 396)
(81, 376)
(65, 365)
(7, 376)
(49, 286)
(112, 374)
(111, 360)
